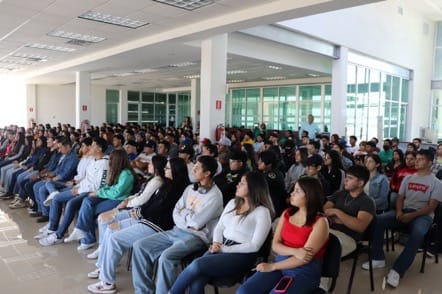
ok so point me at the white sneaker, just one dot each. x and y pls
(374, 263)
(393, 278)
(44, 228)
(43, 234)
(16, 198)
(48, 200)
(76, 234)
(94, 274)
(102, 288)
(94, 255)
(19, 203)
(50, 240)
(85, 246)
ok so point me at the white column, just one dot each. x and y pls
(122, 106)
(339, 93)
(82, 97)
(213, 84)
(195, 103)
(31, 103)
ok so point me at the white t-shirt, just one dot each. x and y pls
(250, 230)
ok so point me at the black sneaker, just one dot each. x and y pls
(43, 219)
(35, 214)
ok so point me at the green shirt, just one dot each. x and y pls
(121, 190)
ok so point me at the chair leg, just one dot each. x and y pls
(129, 260)
(352, 274)
(387, 241)
(215, 289)
(370, 266)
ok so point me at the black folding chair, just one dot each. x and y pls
(331, 264)
(364, 246)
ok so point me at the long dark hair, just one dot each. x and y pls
(336, 159)
(118, 161)
(377, 160)
(313, 194)
(158, 163)
(180, 174)
(259, 194)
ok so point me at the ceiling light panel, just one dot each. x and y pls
(274, 78)
(192, 77)
(182, 64)
(235, 81)
(236, 72)
(114, 20)
(274, 67)
(50, 47)
(187, 4)
(75, 36)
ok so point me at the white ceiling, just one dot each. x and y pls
(155, 46)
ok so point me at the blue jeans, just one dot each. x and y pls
(417, 229)
(196, 275)
(305, 279)
(36, 188)
(90, 208)
(44, 190)
(103, 226)
(116, 243)
(21, 180)
(169, 247)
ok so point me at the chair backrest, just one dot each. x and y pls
(332, 260)
(266, 248)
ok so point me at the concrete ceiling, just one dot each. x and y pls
(144, 56)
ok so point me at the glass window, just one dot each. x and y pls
(310, 103)
(183, 107)
(112, 101)
(147, 97)
(133, 96)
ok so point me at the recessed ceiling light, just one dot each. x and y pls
(192, 77)
(187, 4)
(182, 64)
(111, 19)
(273, 78)
(50, 47)
(75, 36)
(145, 70)
(235, 81)
(236, 71)
(31, 57)
(313, 75)
(274, 67)
(123, 74)
(17, 61)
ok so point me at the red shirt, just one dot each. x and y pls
(296, 237)
(398, 176)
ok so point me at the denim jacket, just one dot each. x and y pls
(378, 190)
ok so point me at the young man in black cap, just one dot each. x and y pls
(313, 166)
(227, 182)
(186, 153)
(131, 149)
(142, 161)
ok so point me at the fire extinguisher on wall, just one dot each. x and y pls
(219, 132)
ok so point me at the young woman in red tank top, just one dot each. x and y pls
(299, 243)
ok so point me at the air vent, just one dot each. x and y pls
(79, 43)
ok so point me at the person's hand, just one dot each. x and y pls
(406, 218)
(92, 194)
(74, 191)
(133, 213)
(215, 247)
(265, 267)
(399, 215)
(305, 254)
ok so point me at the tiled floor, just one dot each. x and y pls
(26, 267)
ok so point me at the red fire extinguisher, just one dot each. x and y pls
(219, 132)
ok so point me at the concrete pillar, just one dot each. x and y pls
(195, 101)
(31, 104)
(213, 84)
(339, 93)
(122, 107)
(82, 97)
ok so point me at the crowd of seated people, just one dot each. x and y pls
(167, 194)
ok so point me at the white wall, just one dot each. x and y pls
(379, 30)
(57, 104)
